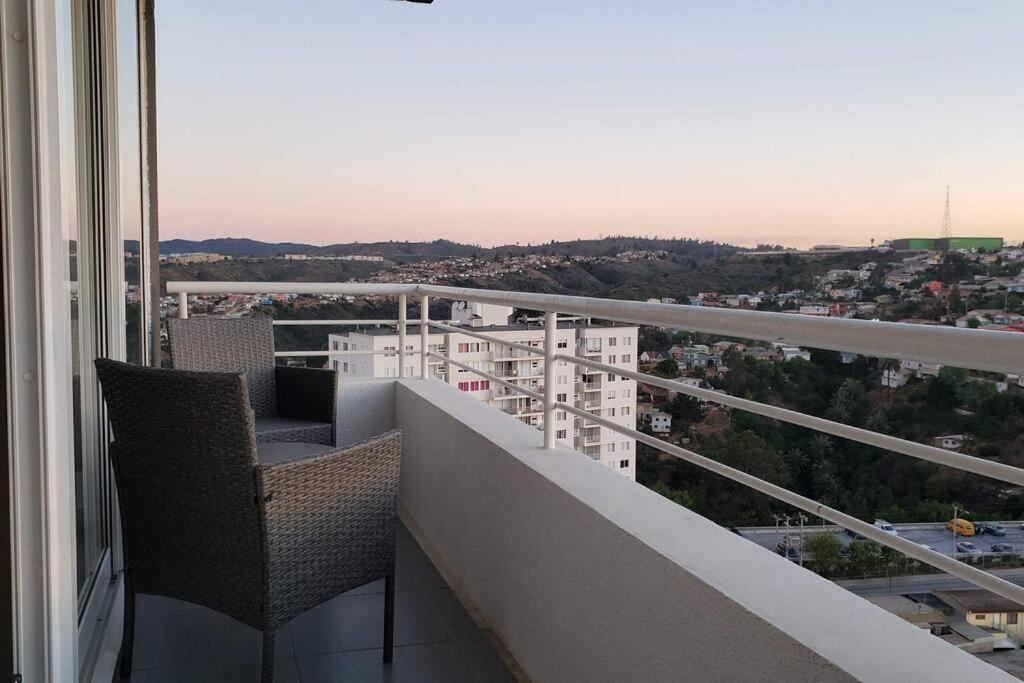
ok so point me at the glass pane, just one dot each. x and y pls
(130, 175)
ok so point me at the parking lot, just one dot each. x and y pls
(935, 535)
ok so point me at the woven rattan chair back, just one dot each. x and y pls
(190, 519)
(244, 345)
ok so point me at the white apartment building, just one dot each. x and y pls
(606, 395)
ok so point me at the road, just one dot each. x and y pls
(935, 535)
(922, 583)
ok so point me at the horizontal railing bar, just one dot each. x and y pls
(282, 354)
(947, 564)
(486, 375)
(335, 322)
(533, 350)
(959, 347)
(353, 288)
(967, 463)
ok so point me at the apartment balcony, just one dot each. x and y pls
(575, 573)
(592, 403)
(506, 354)
(592, 386)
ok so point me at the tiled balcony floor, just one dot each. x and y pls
(339, 641)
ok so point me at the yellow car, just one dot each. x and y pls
(961, 526)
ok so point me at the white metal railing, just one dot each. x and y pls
(973, 349)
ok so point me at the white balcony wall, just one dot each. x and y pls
(586, 576)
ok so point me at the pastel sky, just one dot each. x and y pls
(785, 121)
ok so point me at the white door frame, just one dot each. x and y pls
(36, 100)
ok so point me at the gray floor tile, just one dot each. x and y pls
(337, 641)
(349, 622)
(356, 622)
(403, 582)
(484, 659)
(429, 663)
(422, 570)
(474, 643)
(405, 539)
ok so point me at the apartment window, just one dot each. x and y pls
(562, 379)
(623, 464)
(1011, 618)
(625, 445)
(611, 447)
(463, 386)
(612, 341)
(474, 386)
(625, 358)
(408, 347)
(611, 394)
(563, 343)
(561, 415)
(335, 365)
(561, 398)
(390, 348)
(626, 341)
(463, 348)
(334, 345)
(562, 363)
(410, 370)
(611, 412)
(562, 433)
(625, 410)
(611, 378)
(390, 372)
(626, 393)
(344, 346)
(344, 367)
(613, 359)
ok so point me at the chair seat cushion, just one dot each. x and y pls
(293, 429)
(273, 452)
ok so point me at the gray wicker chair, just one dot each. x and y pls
(291, 404)
(203, 521)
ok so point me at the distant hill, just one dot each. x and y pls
(416, 251)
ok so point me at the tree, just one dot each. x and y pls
(667, 368)
(683, 498)
(864, 557)
(827, 552)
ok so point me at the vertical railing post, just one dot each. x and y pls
(401, 334)
(182, 305)
(424, 335)
(550, 348)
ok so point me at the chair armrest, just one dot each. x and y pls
(306, 393)
(330, 522)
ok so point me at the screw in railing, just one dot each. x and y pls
(550, 349)
(424, 334)
(401, 334)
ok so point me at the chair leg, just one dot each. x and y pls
(128, 633)
(389, 617)
(267, 670)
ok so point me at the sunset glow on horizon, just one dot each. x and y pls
(495, 123)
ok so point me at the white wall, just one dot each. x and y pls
(587, 576)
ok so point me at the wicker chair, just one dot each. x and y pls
(204, 521)
(291, 404)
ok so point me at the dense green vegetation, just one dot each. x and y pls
(858, 479)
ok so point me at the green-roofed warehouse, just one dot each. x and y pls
(947, 243)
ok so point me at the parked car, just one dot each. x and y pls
(993, 528)
(886, 527)
(967, 548)
(1002, 548)
(961, 526)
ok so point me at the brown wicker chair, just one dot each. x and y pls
(203, 521)
(291, 404)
